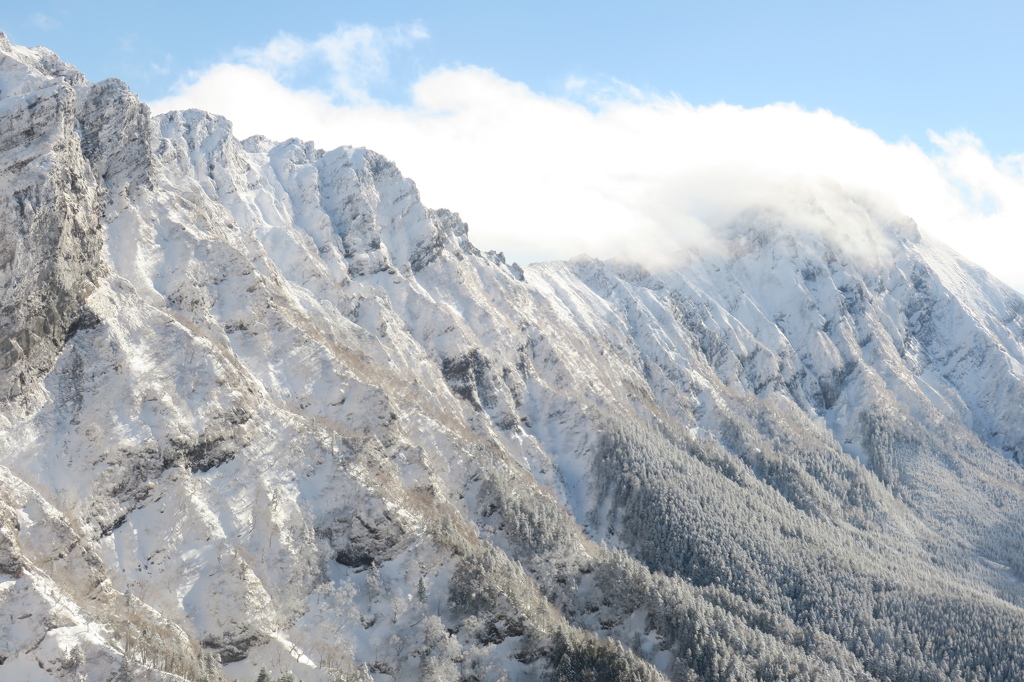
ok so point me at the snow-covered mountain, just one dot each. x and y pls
(261, 408)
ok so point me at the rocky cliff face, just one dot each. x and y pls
(259, 407)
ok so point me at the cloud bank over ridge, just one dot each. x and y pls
(604, 169)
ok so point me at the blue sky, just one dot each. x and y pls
(559, 128)
(899, 69)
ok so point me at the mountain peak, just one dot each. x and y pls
(262, 408)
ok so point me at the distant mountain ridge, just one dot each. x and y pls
(261, 408)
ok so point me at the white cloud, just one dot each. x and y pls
(626, 172)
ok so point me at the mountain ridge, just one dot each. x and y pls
(265, 409)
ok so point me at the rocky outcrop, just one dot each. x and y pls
(50, 211)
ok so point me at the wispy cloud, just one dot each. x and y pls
(605, 169)
(164, 68)
(44, 21)
(354, 56)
